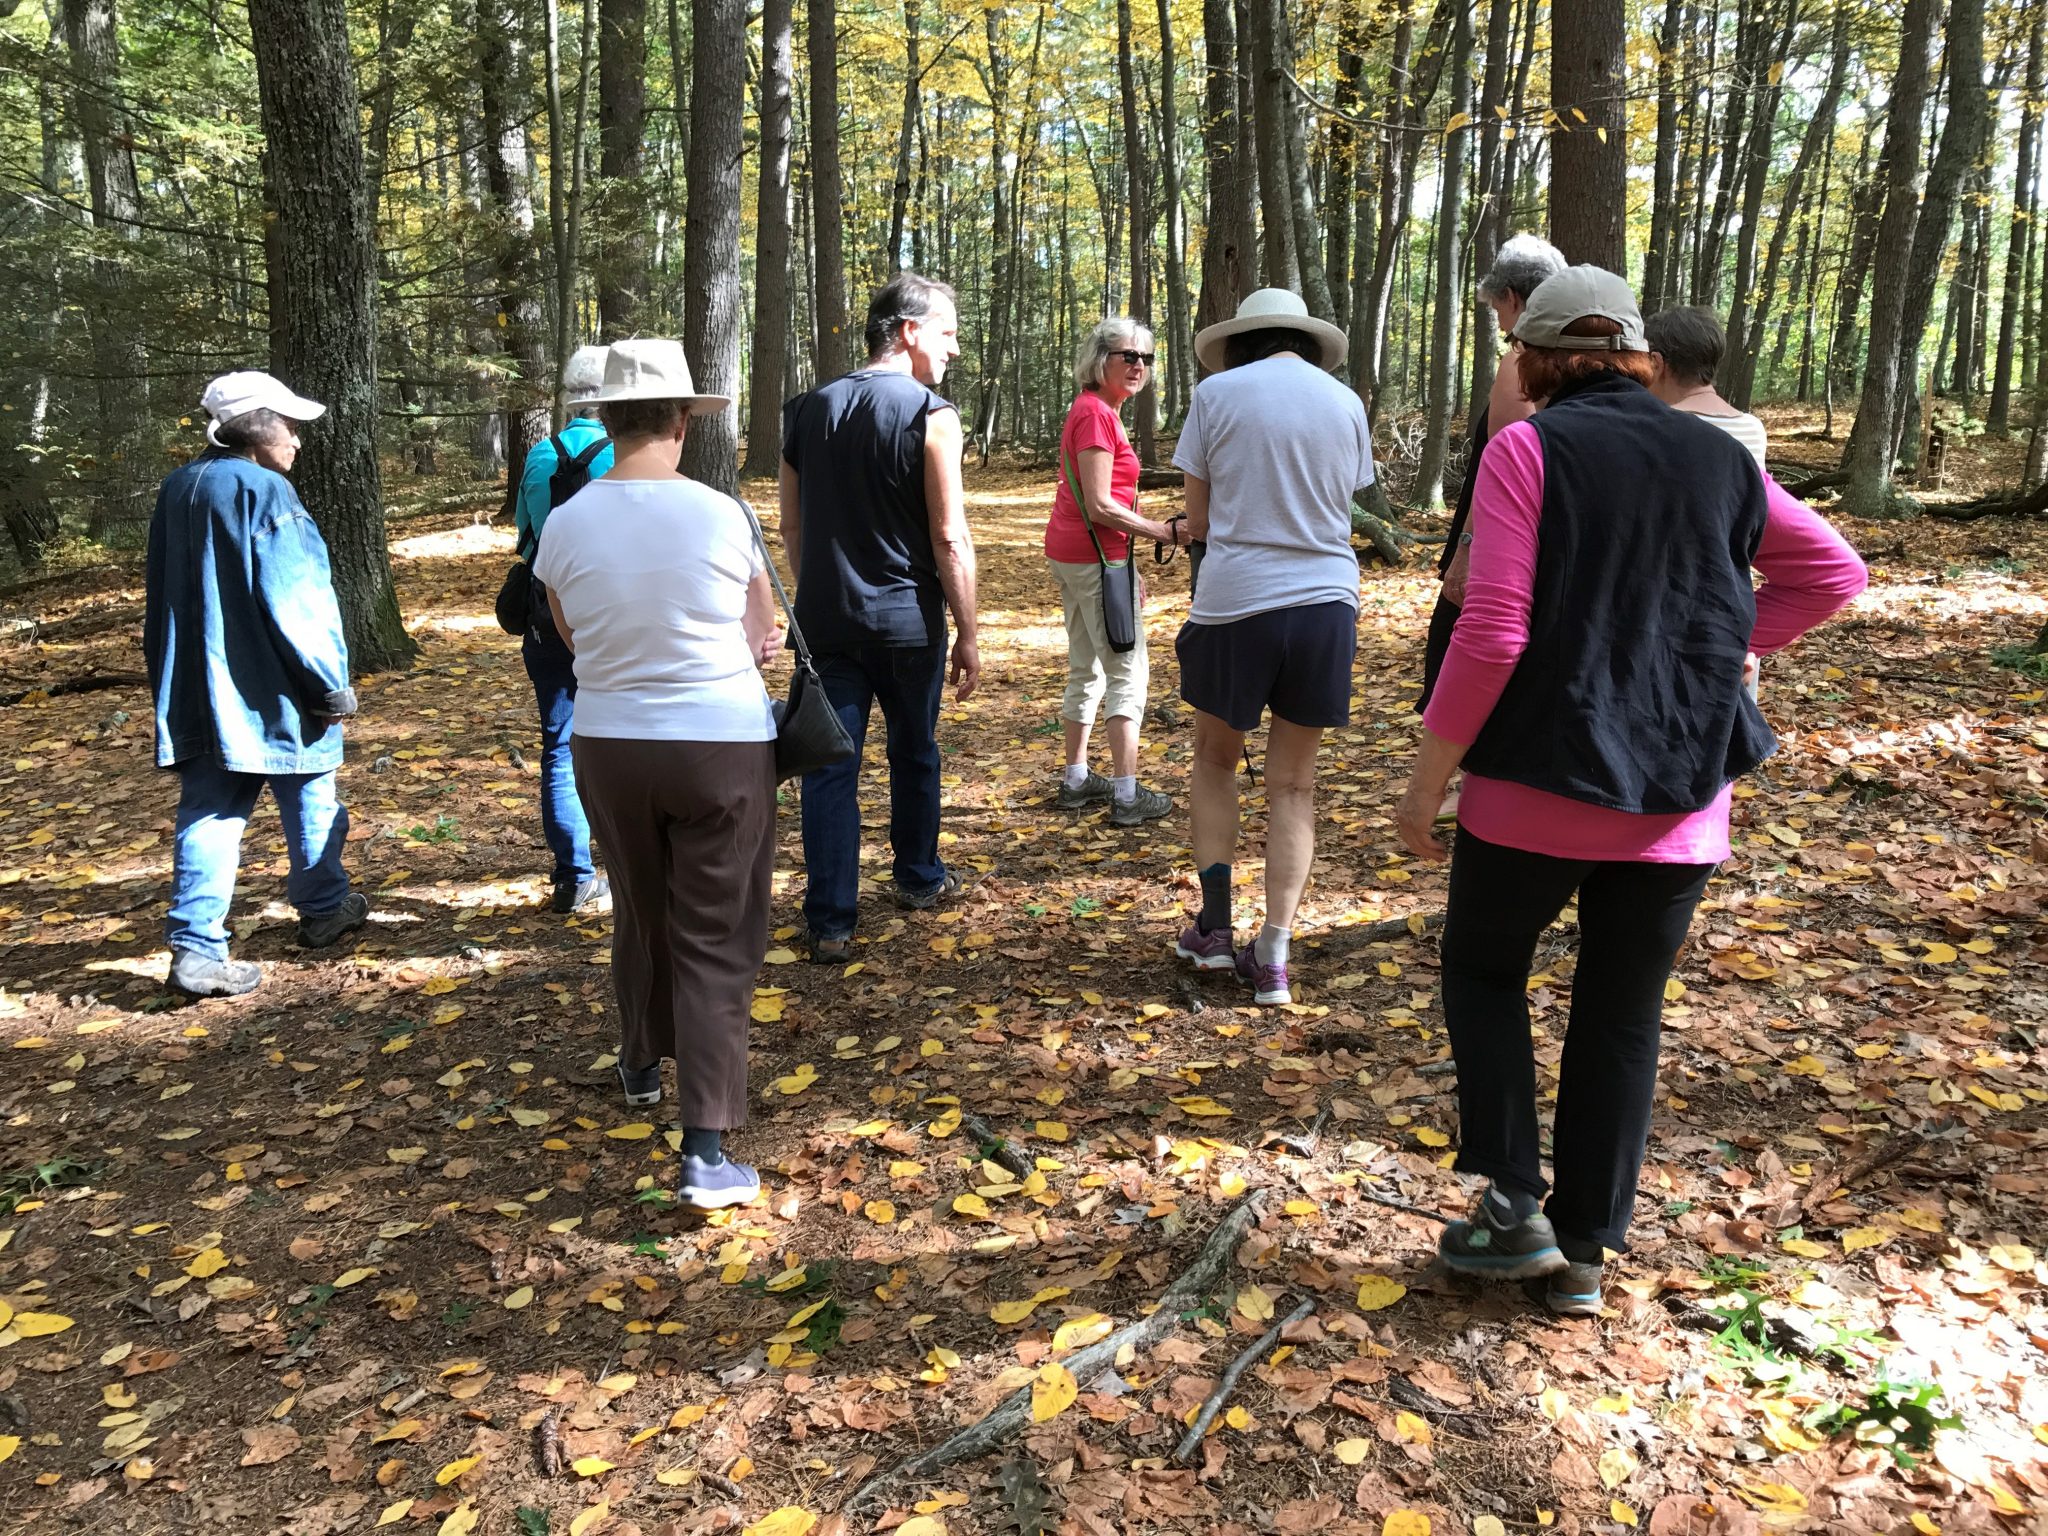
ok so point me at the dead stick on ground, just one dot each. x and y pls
(1003, 1422)
(1883, 1155)
(1400, 1205)
(1213, 1404)
(1302, 1143)
(1003, 1155)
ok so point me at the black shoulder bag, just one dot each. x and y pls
(1119, 577)
(808, 735)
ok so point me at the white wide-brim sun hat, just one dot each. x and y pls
(1268, 309)
(651, 368)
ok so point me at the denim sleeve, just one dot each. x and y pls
(295, 588)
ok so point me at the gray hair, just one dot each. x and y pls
(1118, 333)
(1519, 267)
(582, 378)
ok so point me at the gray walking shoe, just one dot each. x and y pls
(1493, 1244)
(715, 1186)
(1146, 805)
(641, 1085)
(1093, 791)
(1573, 1291)
(948, 889)
(325, 928)
(592, 895)
(197, 976)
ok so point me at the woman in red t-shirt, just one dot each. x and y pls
(1097, 462)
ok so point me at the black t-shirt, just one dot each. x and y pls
(868, 575)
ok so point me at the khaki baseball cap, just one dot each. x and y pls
(1581, 293)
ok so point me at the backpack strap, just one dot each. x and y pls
(590, 451)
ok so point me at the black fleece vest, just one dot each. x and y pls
(1630, 693)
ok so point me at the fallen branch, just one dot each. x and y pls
(1213, 1404)
(994, 1148)
(2021, 504)
(1302, 1143)
(96, 621)
(1826, 480)
(91, 683)
(1390, 928)
(1402, 1205)
(1899, 1144)
(1780, 1335)
(1013, 1413)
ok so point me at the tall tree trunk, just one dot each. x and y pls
(711, 241)
(1340, 172)
(1869, 456)
(520, 322)
(1866, 212)
(1450, 221)
(2020, 236)
(771, 244)
(1657, 258)
(1229, 246)
(1369, 323)
(1282, 263)
(1145, 408)
(1308, 240)
(558, 211)
(1768, 92)
(1751, 29)
(834, 342)
(621, 132)
(899, 195)
(1588, 152)
(1179, 344)
(679, 78)
(306, 79)
(1490, 227)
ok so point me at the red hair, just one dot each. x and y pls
(1546, 370)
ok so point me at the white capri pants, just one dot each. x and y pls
(1096, 673)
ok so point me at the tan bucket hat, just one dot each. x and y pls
(652, 368)
(1269, 309)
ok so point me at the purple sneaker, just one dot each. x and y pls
(1268, 982)
(1209, 951)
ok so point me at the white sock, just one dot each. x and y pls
(1076, 775)
(1271, 944)
(1126, 788)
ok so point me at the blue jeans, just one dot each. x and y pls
(213, 807)
(906, 681)
(552, 666)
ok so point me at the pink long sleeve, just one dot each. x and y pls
(1810, 572)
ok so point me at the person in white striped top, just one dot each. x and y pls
(1687, 346)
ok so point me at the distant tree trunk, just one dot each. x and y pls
(1657, 259)
(1276, 204)
(1746, 80)
(711, 241)
(1869, 456)
(834, 343)
(1308, 240)
(306, 79)
(1450, 299)
(1369, 325)
(125, 459)
(621, 132)
(1179, 344)
(1145, 408)
(679, 78)
(1229, 246)
(1001, 298)
(1490, 227)
(519, 317)
(1868, 206)
(771, 244)
(1740, 361)
(1340, 166)
(2020, 237)
(899, 194)
(1589, 158)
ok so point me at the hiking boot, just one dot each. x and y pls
(1211, 951)
(715, 1186)
(641, 1085)
(1573, 1291)
(325, 928)
(1492, 1243)
(1268, 982)
(948, 889)
(197, 976)
(1093, 791)
(1146, 805)
(592, 895)
(831, 951)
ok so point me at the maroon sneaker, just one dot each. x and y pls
(1209, 951)
(1268, 982)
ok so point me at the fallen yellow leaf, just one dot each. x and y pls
(455, 1469)
(1053, 1391)
(1352, 1452)
(787, 1521)
(393, 1513)
(590, 1466)
(460, 1522)
(1855, 1240)
(1405, 1522)
(519, 1298)
(590, 1519)
(639, 1130)
(1378, 1291)
(37, 1325)
(1617, 1466)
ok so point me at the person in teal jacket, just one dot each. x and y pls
(249, 672)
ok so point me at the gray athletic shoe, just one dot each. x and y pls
(326, 928)
(1146, 805)
(1573, 1291)
(1494, 1245)
(1093, 791)
(715, 1186)
(641, 1085)
(197, 976)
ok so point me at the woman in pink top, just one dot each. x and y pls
(1094, 516)
(1593, 694)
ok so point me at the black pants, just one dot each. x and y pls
(1632, 919)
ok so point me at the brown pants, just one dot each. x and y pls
(688, 829)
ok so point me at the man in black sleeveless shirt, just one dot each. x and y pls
(874, 518)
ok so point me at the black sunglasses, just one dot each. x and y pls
(1136, 359)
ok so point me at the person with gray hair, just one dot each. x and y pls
(1519, 268)
(555, 470)
(1094, 518)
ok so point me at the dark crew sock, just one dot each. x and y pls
(702, 1145)
(1580, 1251)
(1215, 898)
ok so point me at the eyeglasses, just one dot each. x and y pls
(1136, 359)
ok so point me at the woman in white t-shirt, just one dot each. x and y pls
(658, 586)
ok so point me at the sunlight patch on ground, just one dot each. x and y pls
(452, 543)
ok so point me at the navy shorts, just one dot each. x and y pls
(1294, 661)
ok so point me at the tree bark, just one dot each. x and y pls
(1866, 212)
(1145, 407)
(899, 194)
(1282, 263)
(711, 242)
(1229, 245)
(2019, 238)
(621, 133)
(1871, 439)
(1740, 362)
(1746, 81)
(306, 80)
(833, 343)
(1340, 165)
(1489, 228)
(1657, 259)
(1308, 240)
(1369, 327)
(771, 244)
(1588, 152)
(1450, 222)
(1179, 344)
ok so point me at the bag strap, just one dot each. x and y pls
(796, 636)
(590, 451)
(1074, 490)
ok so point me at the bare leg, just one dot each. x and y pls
(1212, 809)
(1077, 742)
(1123, 745)
(1290, 773)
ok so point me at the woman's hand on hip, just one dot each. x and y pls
(1415, 818)
(769, 648)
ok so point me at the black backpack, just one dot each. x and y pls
(517, 607)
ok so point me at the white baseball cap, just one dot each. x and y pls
(237, 394)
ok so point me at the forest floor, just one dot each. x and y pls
(377, 1243)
